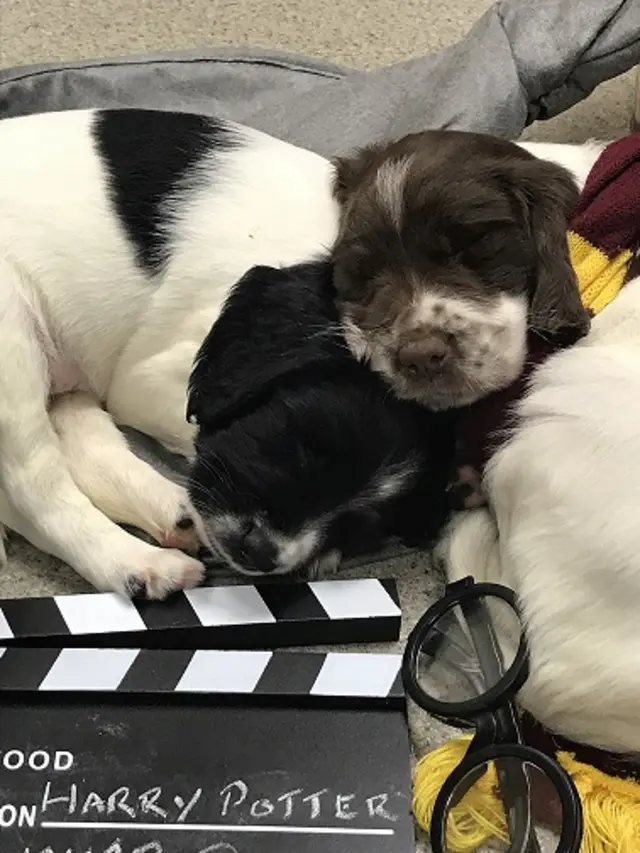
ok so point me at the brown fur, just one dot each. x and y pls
(463, 217)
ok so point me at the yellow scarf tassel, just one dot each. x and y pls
(611, 806)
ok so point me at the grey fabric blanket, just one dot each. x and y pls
(523, 61)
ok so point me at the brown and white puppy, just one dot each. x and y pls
(451, 247)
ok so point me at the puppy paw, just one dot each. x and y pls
(325, 565)
(466, 491)
(163, 573)
(182, 533)
(154, 504)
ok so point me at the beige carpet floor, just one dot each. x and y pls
(364, 34)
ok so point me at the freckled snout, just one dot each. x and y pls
(425, 356)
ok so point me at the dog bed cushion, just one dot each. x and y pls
(521, 62)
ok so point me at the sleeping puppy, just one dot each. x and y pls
(121, 235)
(452, 246)
(302, 454)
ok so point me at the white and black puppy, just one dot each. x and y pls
(302, 454)
(121, 234)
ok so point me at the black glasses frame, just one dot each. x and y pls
(494, 716)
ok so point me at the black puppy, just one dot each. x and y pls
(303, 456)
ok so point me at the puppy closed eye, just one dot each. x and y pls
(484, 232)
(493, 245)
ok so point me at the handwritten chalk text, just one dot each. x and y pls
(235, 802)
(298, 804)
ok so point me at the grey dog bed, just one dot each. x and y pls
(525, 60)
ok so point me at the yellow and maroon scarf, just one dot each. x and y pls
(604, 234)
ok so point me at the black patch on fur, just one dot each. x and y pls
(292, 427)
(148, 154)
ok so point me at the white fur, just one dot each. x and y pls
(564, 530)
(491, 339)
(79, 318)
(491, 343)
(577, 159)
(391, 179)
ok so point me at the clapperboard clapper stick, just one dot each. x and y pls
(152, 751)
(232, 617)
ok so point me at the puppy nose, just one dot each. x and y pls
(425, 356)
(258, 552)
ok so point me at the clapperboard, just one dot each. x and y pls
(232, 617)
(199, 750)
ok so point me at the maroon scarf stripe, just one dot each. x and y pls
(608, 212)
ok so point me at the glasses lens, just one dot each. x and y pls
(504, 806)
(468, 650)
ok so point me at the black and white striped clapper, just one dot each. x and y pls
(233, 617)
(263, 675)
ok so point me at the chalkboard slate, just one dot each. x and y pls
(118, 773)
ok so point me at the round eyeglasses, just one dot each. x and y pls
(464, 662)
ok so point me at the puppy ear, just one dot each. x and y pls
(550, 195)
(350, 171)
(274, 323)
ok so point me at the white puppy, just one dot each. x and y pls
(563, 529)
(118, 245)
